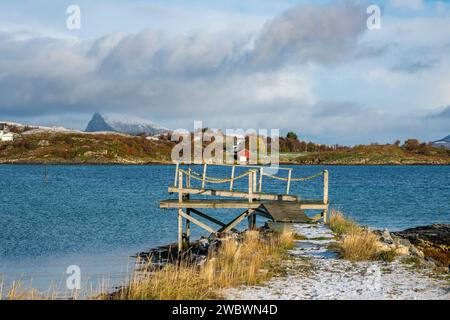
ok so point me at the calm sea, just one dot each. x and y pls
(96, 217)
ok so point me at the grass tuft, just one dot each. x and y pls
(357, 243)
(250, 261)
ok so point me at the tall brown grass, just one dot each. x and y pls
(252, 260)
(342, 225)
(357, 243)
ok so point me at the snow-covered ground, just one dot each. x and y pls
(314, 272)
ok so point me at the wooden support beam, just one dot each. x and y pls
(197, 222)
(288, 187)
(232, 204)
(250, 187)
(325, 195)
(233, 172)
(325, 216)
(236, 194)
(188, 226)
(235, 221)
(251, 220)
(180, 212)
(325, 187)
(188, 179)
(176, 174)
(204, 175)
(260, 178)
(207, 217)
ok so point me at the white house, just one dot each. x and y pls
(5, 135)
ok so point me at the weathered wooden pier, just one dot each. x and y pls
(284, 207)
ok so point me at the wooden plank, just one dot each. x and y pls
(197, 222)
(207, 217)
(236, 194)
(233, 204)
(286, 212)
(235, 221)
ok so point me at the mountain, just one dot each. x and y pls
(132, 126)
(443, 143)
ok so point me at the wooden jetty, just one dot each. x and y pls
(253, 200)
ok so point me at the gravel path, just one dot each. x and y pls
(314, 272)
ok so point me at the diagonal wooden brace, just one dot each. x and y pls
(236, 221)
(218, 222)
(199, 223)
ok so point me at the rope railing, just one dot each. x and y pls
(197, 176)
(293, 179)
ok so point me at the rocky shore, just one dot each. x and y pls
(315, 270)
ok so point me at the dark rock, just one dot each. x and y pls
(436, 234)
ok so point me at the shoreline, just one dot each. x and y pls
(313, 269)
(417, 164)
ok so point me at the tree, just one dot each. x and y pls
(292, 135)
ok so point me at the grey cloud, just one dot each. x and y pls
(414, 66)
(217, 78)
(443, 114)
(311, 33)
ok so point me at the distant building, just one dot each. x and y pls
(5, 135)
(243, 156)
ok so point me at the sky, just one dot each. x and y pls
(312, 67)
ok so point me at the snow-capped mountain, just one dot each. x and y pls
(443, 143)
(122, 124)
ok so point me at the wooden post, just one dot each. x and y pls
(325, 195)
(250, 186)
(289, 181)
(260, 178)
(188, 180)
(254, 181)
(180, 212)
(204, 175)
(251, 221)
(233, 171)
(188, 226)
(176, 174)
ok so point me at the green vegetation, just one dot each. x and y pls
(57, 147)
(74, 147)
(373, 154)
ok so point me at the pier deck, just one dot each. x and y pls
(254, 201)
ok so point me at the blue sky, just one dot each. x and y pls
(308, 66)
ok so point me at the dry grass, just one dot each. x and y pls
(342, 225)
(357, 243)
(359, 246)
(250, 261)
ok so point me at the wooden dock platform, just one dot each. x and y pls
(282, 207)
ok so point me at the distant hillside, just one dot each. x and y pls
(374, 154)
(101, 123)
(59, 145)
(47, 146)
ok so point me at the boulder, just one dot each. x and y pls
(436, 234)
(386, 237)
(416, 252)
